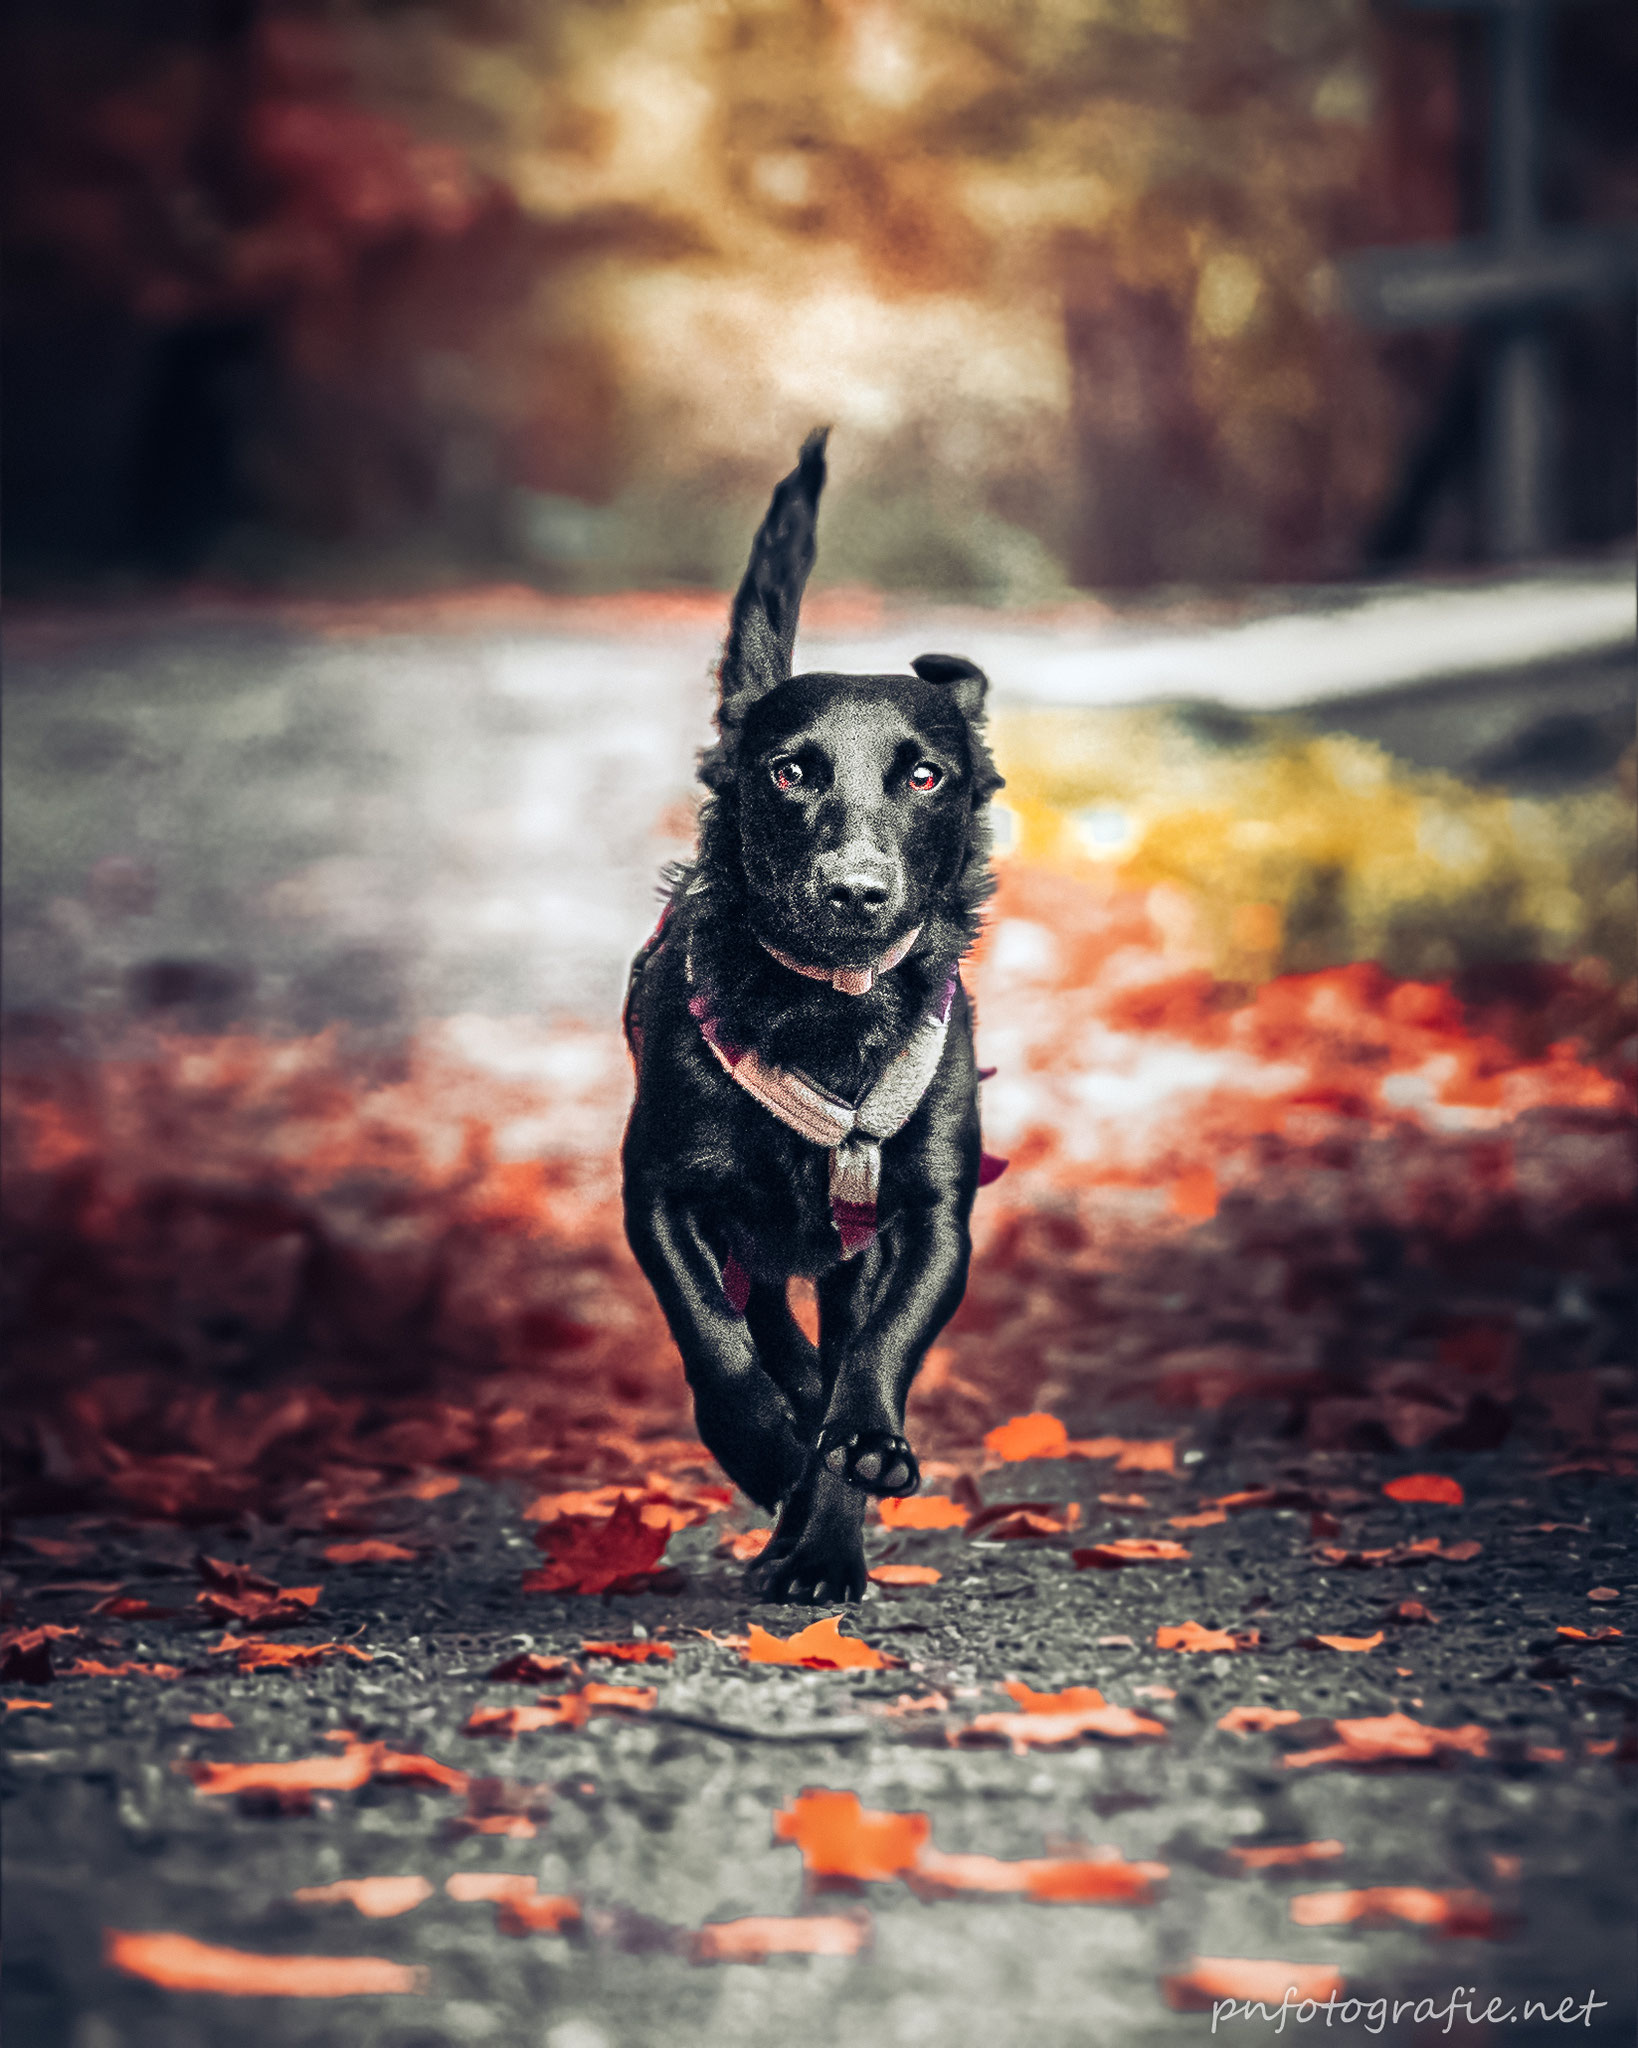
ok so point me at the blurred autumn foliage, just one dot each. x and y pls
(560, 284)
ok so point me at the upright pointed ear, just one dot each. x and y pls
(762, 626)
(967, 682)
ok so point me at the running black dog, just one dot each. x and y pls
(806, 1094)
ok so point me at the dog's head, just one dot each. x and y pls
(857, 802)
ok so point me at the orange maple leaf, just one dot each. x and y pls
(1035, 1729)
(181, 1964)
(761, 1935)
(1126, 1550)
(1353, 1643)
(1429, 1486)
(631, 1653)
(923, 1511)
(1392, 1738)
(839, 1838)
(1027, 1436)
(377, 1898)
(372, 1550)
(1072, 1700)
(1283, 1855)
(744, 1544)
(1189, 1635)
(1256, 1980)
(905, 1575)
(1131, 1454)
(819, 1647)
(272, 1656)
(1103, 1878)
(1459, 1913)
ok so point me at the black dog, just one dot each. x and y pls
(806, 1093)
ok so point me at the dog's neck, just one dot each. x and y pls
(847, 981)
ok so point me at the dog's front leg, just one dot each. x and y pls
(743, 1419)
(879, 1313)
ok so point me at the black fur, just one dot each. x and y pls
(815, 839)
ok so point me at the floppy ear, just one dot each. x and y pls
(762, 626)
(967, 682)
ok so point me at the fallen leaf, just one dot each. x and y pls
(1125, 1503)
(210, 1720)
(1037, 1729)
(819, 1647)
(430, 1486)
(275, 1608)
(905, 1575)
(1596, 1635)
(1392, 1738)
(377, 1898)
(1206, 1519)
(1426, 1486)
(1461, 1913)
(1126, 1550)
(1418, 1551)
(1011, 1525)
(127, 1607)
(1211, 1979)
(536, 1913)
(589, 1554)
(759, 1936)
(923, 1511)
(839, 1838)
(373, 1550)
(29, 1707)
(179, 1963)
(1603, 1594)
(569, 1710)
(1410, 1612)
(1027, 1436)
(290, 1785)
(1342, 1642)
(1130, 1454)
(1282, 1855)
(1071, 1700)
(528, 1668)
(1104, 1878)
(927, 1703)
(744, 1544)
(631, 1653)
(90, 1667)
(285, 1656)
(1245, 1721)
(410, 1767)
(1189, 1635)
(469, 1887)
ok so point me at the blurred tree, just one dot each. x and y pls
(294, 283)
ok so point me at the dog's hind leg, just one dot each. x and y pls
(788, 1356)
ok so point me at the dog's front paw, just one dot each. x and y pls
(820, 1570)
(871, 1459)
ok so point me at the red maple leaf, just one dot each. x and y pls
(597, 1553)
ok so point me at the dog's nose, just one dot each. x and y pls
(857, 892)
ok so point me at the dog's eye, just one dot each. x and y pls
(925, 776)
(787, 774)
